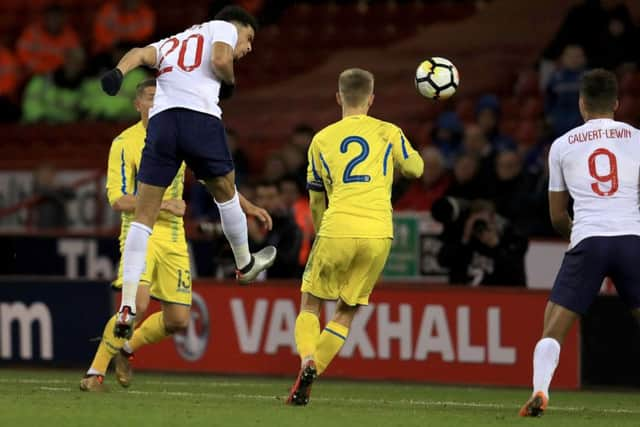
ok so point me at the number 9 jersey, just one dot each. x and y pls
(353, 160)
(598, 163)
(185, 76)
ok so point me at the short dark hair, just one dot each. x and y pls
(238, 14)
(140, 87)
(599, 91)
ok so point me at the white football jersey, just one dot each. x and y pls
(185, 77)
(599, 164)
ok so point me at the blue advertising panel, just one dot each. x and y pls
(52, 322)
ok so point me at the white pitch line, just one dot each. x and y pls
(425, 403)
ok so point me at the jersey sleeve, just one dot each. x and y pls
(556, 177)
(405, 157)
(120, 171)
(314, 177)
(224, 32)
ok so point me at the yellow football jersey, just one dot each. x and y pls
(124, 162)
(353, 160)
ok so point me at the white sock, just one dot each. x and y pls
(545, 360)
(92, 371)
(127, 347)
(134, 256)
(234, 226)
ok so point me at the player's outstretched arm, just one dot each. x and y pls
(133, 59)
(560, 219)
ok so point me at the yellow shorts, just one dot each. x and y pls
(167, 272)
(345, 268)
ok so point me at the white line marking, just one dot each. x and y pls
(372, 402)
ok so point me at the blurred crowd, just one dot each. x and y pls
(482, 183)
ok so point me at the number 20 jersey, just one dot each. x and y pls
(185, 75)
(599, 164)
(353, 161)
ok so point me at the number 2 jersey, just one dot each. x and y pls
(185, 75)
(599, 164)
(353, 161)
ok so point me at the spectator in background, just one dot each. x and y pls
(100, 106)
(432, 186)
(447, 136)
(488, 119)
(122, 21)
(285, 233)
(302, 136)
(476, 143)
(582, 25)
(294, 199)
(561, 100)
(488, 251)
(44, 44)
(510, 191)
(616, 46)
(295, 161)
(465, 182)
(51, 209)
(57, 96)
(9, 85)
(275, 167)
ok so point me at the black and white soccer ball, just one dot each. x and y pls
(437, 78)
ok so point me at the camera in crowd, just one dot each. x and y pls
(453, 213)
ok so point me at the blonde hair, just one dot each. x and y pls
(355, 86)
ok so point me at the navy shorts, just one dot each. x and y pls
(585, 267)
(178, 135)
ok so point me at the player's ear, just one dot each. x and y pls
(371, 98)
(616, 105)
(338, 99)
(136, 104)
(581, 108)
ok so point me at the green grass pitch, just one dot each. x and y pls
(52, 398)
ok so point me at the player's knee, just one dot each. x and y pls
(176, 324)
(345, 313)
(222, 188)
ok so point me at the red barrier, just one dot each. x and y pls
(434, 334)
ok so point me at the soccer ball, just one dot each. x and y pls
(437, 78)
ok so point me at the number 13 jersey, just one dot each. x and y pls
(353, 161)
(599, 164)
(185, 75)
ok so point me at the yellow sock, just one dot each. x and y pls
(329, 344)
(307, 333)
(109, 346)
(151, 331)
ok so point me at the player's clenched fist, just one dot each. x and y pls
(111, 81)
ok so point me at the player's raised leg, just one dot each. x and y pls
(557, 322)
(134, 254)
(234, 226)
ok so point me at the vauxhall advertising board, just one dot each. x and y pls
(442, 335)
